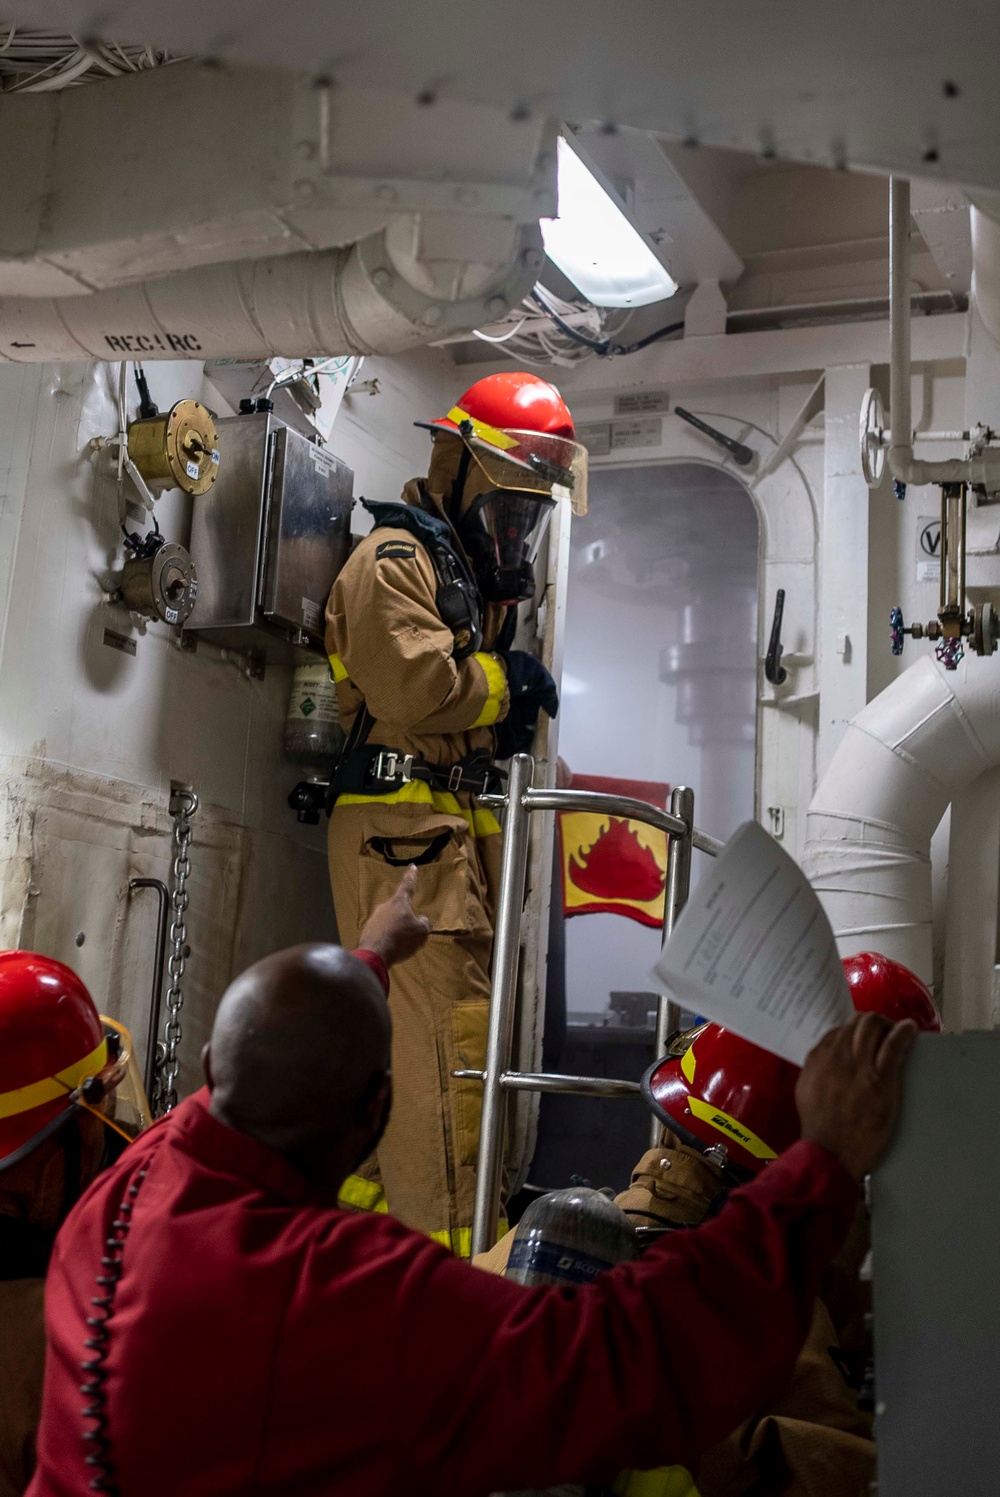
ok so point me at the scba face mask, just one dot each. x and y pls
(501, 532)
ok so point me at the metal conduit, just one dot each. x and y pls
(496, 1076)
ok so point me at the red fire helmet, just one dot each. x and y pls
(724, 1090)
(51, 1039)
(512, 401)
(887, 987)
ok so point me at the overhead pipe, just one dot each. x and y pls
(984, 221)
(356, 300)
(982, 467)
(900, 764)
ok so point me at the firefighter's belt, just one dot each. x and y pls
(376, 770)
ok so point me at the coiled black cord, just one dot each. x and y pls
(96, 1439)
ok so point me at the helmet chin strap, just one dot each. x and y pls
(458, 487)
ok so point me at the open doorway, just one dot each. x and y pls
(659, 684)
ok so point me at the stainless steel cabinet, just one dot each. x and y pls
(269, 538)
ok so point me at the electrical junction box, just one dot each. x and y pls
(935, 1247)
(269, 538)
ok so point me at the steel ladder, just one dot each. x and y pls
(497, 1077)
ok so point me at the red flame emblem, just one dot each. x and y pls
(618, 866)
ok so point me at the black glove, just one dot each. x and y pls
(531, 687)
(527, 679)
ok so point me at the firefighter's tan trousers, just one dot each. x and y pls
(439, 998)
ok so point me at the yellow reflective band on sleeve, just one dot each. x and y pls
(482, 429)
(481, 823)
(37, 1093)
(366, 1195)
(665, 1481)
(496, 681)
(687, 1063)
(338, 667)
(731, 1128)
(484, 823)
(459, 1239)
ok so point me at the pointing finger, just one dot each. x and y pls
(408, 883)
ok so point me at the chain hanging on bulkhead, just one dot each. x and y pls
(183, 806)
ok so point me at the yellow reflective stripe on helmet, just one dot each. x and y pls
(665, 1481)
(731, 1128)
(482, 429)
(366, 1195)
(481, 823)
(338, 668)
(37, 1093)
(496, 681)
(687, 1063)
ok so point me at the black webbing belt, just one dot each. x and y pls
(373, 769)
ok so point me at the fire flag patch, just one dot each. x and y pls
(610, 865)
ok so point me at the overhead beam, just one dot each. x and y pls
(782, 351)
(941, 213)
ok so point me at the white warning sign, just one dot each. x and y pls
(929, 548)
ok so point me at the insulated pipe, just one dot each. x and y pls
(984, 222)
(868, 830)
(984, 466)
(353, 300)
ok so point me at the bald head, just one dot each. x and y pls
(299, 1057)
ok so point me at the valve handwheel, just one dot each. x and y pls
(872, 428)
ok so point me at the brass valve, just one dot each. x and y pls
(176, 450)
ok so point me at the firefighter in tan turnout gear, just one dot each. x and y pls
(419, 625)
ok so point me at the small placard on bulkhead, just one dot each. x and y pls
(595, 436)
(642, 403)
(929, 548)
(642, 431)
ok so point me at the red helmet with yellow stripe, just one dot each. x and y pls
(715, 1088)
(723, 1090)
(52, 1044)
(519, 432)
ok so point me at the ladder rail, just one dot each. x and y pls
(496, 1076)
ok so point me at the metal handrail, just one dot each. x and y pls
(551, 1081)
(496, 1076)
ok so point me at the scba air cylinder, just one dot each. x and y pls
(570, 1237)
(313, 735)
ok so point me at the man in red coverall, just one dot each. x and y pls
(297, 1347)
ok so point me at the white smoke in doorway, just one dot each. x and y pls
(661, 643)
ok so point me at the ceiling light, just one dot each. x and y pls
(594, 244)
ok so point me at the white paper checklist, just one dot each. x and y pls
(754, 951)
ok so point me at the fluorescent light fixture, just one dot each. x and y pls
(596, 247)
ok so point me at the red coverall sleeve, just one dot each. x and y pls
(649, 1366)
(383, 625)
(372, 960)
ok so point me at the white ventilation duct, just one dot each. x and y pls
(868, 832)
(378, 296)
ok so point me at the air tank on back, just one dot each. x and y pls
(570, 1237)
(313, 735)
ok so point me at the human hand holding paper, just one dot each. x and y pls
(754, 951)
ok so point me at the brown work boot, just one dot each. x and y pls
(672, 1186)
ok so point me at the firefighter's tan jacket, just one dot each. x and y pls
(390, 648)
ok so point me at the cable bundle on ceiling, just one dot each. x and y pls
(34, 61)
(547, 330)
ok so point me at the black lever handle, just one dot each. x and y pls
(773, 668)
(743, 455)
